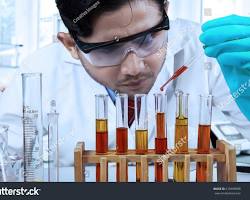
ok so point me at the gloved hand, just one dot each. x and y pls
(228, 40)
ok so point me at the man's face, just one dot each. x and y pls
(134, 75)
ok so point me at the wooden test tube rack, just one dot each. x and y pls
(224, 155)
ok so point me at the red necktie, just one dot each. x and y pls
(131, 112)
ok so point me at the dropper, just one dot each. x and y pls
(181, 70)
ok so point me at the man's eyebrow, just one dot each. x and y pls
(138, 32)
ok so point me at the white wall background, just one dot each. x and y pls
(35, 19)
(186, 9)
(27, 18)
(203, 10)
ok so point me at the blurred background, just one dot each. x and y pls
(28, 25)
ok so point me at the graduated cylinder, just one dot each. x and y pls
(32, 127)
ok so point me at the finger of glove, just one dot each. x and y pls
(240, 45)
(225, 33)
(224, 21)
(235, 59)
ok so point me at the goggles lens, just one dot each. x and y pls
(114, 54)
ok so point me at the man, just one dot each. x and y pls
(119, 46)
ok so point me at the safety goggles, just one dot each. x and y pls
(113, 52)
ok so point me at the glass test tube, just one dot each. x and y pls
(160, 123)
(53, 145)
(204, 135)
(181, 133)
(141, 133)
(101, 128)
(32, 127)
(121, 130)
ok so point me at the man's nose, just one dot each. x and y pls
(132, 65)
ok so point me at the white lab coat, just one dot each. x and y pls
(66, 81)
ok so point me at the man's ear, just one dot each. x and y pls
(166, 5)
(69, 44)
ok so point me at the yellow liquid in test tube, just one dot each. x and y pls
(141, 141)
(181, 146)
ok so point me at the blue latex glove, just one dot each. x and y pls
(228, 40)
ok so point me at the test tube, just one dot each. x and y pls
(161, 139)
(101, 129)
(53, 145)
(121, 129)
(204, 135)
(32, 127)
(141, 133)
(181, 133)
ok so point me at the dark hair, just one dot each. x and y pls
(79, 15)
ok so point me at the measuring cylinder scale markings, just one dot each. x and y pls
(160, 123)
(181, 133)
(32, 127)
(121, 130)
(141, 132)
(204, 135)
(101, 129)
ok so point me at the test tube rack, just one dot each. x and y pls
(224, 155)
